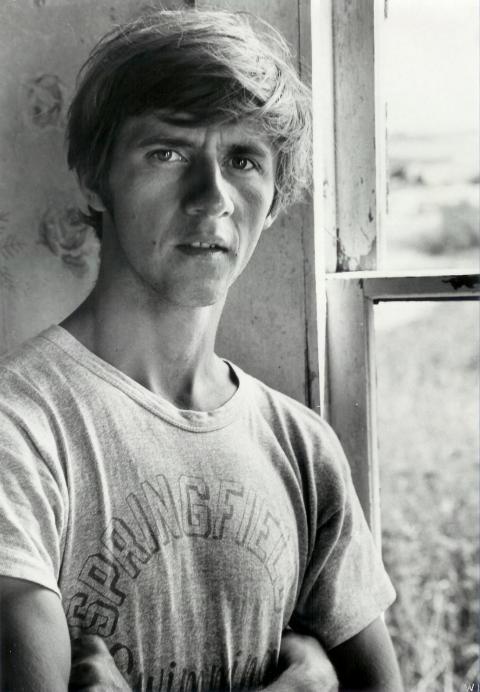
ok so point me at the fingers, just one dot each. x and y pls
(87, 653)
(304, 656)
(295, 648)
(89, 644)
(93, 668)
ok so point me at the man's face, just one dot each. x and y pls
(187, 205)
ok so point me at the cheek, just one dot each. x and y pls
(144, 202)
(258, 201)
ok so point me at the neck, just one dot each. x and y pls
(167, 348)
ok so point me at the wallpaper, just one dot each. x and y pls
(48, 256)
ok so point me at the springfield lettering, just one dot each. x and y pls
(155, 519)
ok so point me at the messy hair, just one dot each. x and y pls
(217, 66)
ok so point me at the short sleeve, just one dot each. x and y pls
(345, 586)
(32, 505)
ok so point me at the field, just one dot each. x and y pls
(428, 401)
(428, 431)
(433, 203)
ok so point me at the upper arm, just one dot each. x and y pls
(367, 661)
(34, 639)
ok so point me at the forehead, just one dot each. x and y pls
(147, 128)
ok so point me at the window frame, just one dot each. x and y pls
(350, 205)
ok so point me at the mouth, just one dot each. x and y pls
(206, 246)
(198, 247)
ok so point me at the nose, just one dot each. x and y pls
(207, 192)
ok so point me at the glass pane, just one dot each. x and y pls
(428, 426)
(431, 83)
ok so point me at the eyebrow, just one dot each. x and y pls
(250, 147)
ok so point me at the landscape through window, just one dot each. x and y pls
(430, 62)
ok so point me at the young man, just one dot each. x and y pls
(153, 494)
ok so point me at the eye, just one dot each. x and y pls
(242, 163)
(165, 155)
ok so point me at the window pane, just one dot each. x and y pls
(431, 83)
(428, 425)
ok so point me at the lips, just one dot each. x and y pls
(204, 245)
(204, 250)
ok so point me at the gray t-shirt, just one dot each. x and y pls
(188, 540)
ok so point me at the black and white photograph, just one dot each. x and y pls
(239, 345)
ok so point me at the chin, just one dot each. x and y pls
(196, 299)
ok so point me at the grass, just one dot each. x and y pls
(428, 395)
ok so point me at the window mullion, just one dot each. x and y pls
(352, 404)
(359, 134)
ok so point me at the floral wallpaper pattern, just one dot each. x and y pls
(48, 255)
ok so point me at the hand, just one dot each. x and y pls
(307, 667)
(93, 668)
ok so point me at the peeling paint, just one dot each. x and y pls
(369, 260)
(457, 282)
(343, 260)
(348, 263)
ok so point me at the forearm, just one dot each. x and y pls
(373, 681)
(367, 662)
(34, 639)
(31, 668)
(298, 679)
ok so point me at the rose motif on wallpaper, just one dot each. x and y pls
(67, 235)
(44, 99)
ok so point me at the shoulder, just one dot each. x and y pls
(28, 359)
(30, 383)
(37, 365)
(300, 430)
(31, 439)
(275, 403)
(284, 411)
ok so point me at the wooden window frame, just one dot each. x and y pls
(350, 204)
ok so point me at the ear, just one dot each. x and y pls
(92, 197)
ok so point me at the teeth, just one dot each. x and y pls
(205, 245)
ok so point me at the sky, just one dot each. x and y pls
(430, 63)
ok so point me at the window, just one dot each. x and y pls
(351, 207)
(430, 84)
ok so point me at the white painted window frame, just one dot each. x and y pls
(350, 203)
